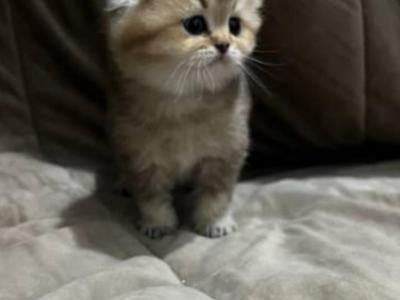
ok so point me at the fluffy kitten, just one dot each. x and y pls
(180, 105)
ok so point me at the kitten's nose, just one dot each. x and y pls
(222, 48)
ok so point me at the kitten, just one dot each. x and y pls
(180, 106)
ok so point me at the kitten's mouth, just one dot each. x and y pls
(220, 59)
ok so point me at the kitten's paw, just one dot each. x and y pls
(157, 220)
(222, 227)
(155, 232)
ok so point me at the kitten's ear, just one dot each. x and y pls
(257, 3)
(118, 4)
(249, 4)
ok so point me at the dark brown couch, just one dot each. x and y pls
(334, 79)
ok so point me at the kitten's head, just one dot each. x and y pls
(185, 45)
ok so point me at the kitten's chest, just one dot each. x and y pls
(179, 135)
(181, 147)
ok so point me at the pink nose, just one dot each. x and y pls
(222, 48)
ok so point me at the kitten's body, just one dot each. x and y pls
(174, 125)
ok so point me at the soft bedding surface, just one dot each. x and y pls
(323, 234)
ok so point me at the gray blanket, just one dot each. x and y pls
(318, 234)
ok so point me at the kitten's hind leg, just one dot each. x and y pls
(214, 180)
(152, 192)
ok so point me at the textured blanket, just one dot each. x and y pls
(324, 234)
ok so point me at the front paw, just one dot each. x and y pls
(155, 232)
(217, 229)
(156, 219)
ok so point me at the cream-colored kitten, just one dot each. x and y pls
(180, 105)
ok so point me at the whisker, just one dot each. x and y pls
(207, 81)
(203, 77)
(268, 64)
(265, 51)
(204, 80)
(184, 80)
(170, 78)
(178, 90)
(261, 69)
(199, 80)
(255, 79)
(211, 77)
(179, 87)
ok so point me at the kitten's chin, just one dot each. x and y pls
(224, 71)
(215, 77)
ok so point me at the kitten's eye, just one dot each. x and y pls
(235, 26)
(195, 25)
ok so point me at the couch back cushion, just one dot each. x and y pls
(333, 82)
(16, 132)
(334, 77)
(54, 76)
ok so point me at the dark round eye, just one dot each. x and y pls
(195, 25)
(234, 26)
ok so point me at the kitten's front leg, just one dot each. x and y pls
(214, 180)
(152, 193)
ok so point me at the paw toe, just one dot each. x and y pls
(155, 233)
(218, 229)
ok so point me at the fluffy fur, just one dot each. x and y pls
(179, 108)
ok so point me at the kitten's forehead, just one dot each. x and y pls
(232, 4)
(223, 3)
(218, 11)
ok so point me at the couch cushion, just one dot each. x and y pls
(16, 129)
(335, 81)
(382, 39)
(55, 66)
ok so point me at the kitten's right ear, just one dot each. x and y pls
(113, 5)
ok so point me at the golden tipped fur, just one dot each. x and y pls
(179, 109)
